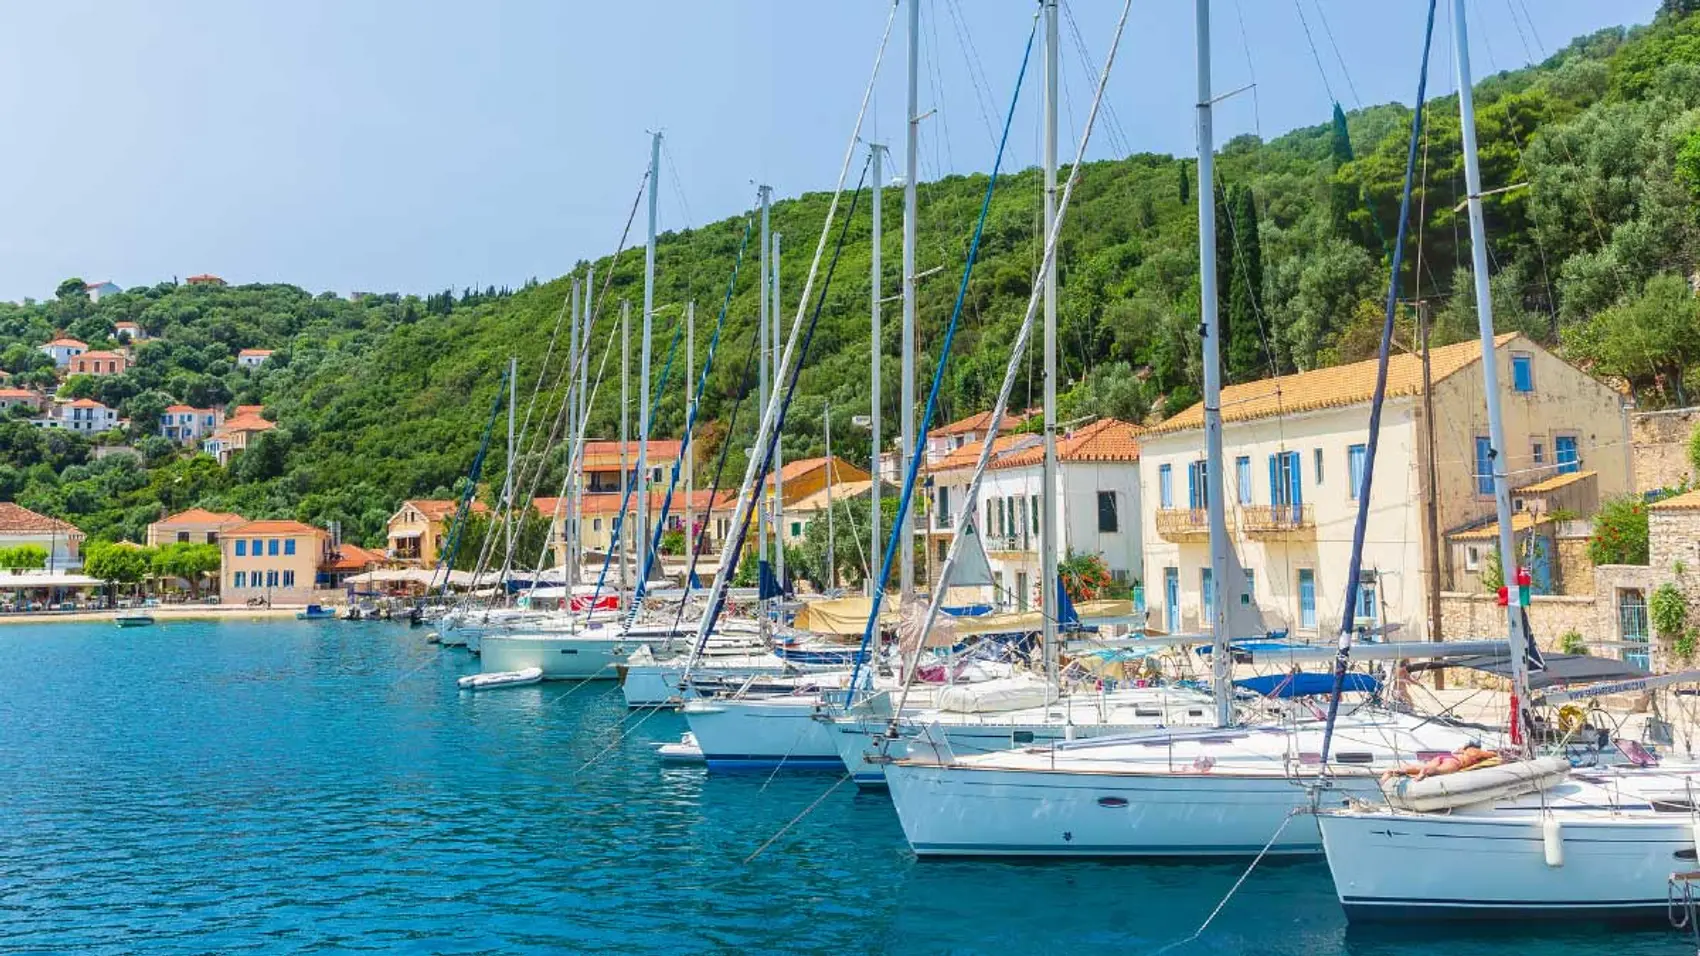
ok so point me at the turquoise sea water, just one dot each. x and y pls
(322, 787)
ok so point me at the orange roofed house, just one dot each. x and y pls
(601, 465)
(235, 435)
(99, 363)
(60, 539)
(278, 560)
(419, 530)
(195, 526)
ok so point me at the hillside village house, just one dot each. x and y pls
(195, 526)
(184, 424)
(62, 350)
(601, 462)
(253, 358)
(275, 560)
(100, 290)
(948, 477)
(344, 561)
(11, 397)
(84, 416)
(204, 279)
(129, 332)
(1294, 450)
(99, 363)
(419, 529)
(234, 436)
(945, 439)
(60, 539)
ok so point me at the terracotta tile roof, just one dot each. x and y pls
(793, 470)
(85, 403)
(16, 519)
(607, 503)
(201, 516)
(204, 277)
(1103, 440)
(1552, 483)
(247, 423)
(185, 408)
(1520, 522)
(63, 341)
(978, 423)
(969, 455)
(439, 509)
(352, 557)
(1332, 387)
(254, 352)
(603, 455)
(841, 491)
(273, 526)
(1687, 501)
(99, 354)
(247, 410)
(17, 393)
(125, 325)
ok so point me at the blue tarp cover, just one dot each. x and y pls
(1307, 684)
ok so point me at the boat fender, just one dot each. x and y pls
(1552, 836)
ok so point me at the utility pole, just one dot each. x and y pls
(766, 194)
(642, 536)
(1048, 470)
(625, 434)
(689, 450)
(906, 402)
(779, 434)
(876, 554)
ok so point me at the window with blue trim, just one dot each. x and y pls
(1242, 478)
(1166, 486)
(256, 546)
(1307, 599)
(1484, 466)
(1522, 372)
(289, 546)
(1355, 469)
(241, 550)
(289, 579)
(1207, 586)
(271, 548)
(241, 577)
(1568, 453)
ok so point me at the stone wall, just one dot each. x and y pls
(1575, 570)
(1479, 617)
(1660, 440)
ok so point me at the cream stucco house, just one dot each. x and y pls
(1294, 456)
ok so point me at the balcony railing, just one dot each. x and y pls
(1011, 542)
(1277, 519)
(1183, 524)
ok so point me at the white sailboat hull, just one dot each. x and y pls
(950, 811)
(1390, 865)
(763, 733)
(559, 656)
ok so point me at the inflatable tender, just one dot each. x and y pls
(1478, 784)
(520, 678)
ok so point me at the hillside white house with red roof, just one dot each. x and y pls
(1098, 505)
(100, 290)
(127, 331)
(62, 350)
(947, 438)
(253, 358)
(185, 424)
(234, 435)
(1294, 456)
(83, 415)
(10, 397)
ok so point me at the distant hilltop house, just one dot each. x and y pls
(234, 435)
(99, 363)
(62, 350)
(419, 529)
(204, 279)
(945, 439)
(129, 332)
(195, 526)
(60, 539)
(84, 416)
(253, 358)
(102, 289)
(184, 424)
(11, 397)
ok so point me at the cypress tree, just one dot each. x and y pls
(1342, 195)
(1247, 356)
(1185, 182)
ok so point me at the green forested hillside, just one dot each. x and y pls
(1593, 157)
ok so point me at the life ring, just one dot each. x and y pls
(1571, 718)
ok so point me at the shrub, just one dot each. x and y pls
(1620, 532)
(1572, 643)
(1667, 611)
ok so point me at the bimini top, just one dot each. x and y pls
(1561, 669)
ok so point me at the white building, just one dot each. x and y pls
(946, 439)
(62, 350)
(102, 289)
(1294, 453)
(83, 415)
(127, 331)
(184, 424)
(253, 358)
(1098, 504)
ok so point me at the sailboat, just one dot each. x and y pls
(1229, 789)
(1588, 844)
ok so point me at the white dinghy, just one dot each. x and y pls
(497, 679)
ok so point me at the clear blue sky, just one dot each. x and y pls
(382, 145)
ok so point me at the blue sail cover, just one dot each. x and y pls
(1286, 686)
(1068, 619)
(770, 587)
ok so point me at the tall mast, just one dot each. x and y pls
(876, 554)
(763, 303)
(569, 561)
(690, 386)
(831, 564)
(583, 412)
(642, 493)
(1048, 470)
(1220, 664)
(906, 400)
(510, 489)
(625, 433)
(779, 434)
(1490, 370)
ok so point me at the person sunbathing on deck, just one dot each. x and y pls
(1468, 756)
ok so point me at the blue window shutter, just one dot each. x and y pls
(1274, 480)
(1484, 466)
(1522, 373)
